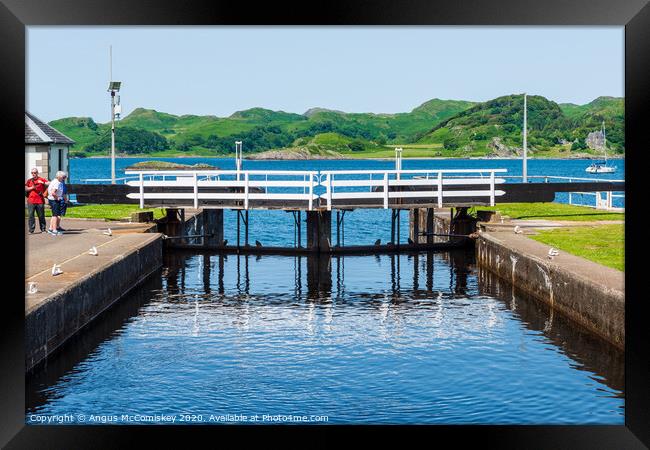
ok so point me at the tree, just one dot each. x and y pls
(578, 144)
(450, 144)
(130, 140)
(356, 146)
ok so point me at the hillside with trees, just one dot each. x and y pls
(496, 127)
(457, 128)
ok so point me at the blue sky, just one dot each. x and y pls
(220, 70)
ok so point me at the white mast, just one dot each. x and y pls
(238, 157)
(525, 161)
(604, 143)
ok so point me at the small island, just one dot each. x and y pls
(165, 165)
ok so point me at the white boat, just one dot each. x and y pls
(601, 166)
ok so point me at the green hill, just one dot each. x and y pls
(463, 128)
(83, 130)
(496, 127)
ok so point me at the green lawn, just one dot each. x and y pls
(553, 211)
(107, 212)
(603, 244)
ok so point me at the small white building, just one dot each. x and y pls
(45, 148)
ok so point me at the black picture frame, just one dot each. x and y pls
(15, 15)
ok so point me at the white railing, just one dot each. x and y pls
(301, 185)
(121, 180)
(364, 184)
(596, 199)
(236, 185)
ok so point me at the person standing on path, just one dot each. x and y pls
(35, 188)
(64, 204)
(57, 202)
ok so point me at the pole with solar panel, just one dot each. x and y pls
(116, 110)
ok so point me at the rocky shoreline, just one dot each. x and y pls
(295, 154)
(283, 155)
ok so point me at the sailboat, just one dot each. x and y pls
(601, 166)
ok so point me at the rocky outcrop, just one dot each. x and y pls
(595, 140)
(500, 149)
(296, 153)
(311, 111)
(165, 165)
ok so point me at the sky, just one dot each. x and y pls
(219, 70)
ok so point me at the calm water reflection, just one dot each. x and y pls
(419, 338)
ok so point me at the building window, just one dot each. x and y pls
(60, 159)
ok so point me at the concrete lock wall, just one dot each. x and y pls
(596, 307)
(67, 311)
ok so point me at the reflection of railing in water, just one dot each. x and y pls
(320, 271)
(325, 281)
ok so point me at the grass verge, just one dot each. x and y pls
(603, 244)
(106, 212)
(553, 211)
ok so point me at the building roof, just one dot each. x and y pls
(38, 132)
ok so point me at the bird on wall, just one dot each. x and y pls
(56, 270)
(32, 289)
(552, 253)
(518, 230)
(93, 251)
(378, 242)
(108, 232)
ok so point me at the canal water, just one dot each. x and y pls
(360, 227)
(423, 338)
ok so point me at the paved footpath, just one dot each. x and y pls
(544, 224)
(70, 250)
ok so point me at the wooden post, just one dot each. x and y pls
(338, 228)
(430, 225)
(246, 225)
(414, 225)
(299, 230)
(319, 227)
(238, 219)
(398, 228)
(212, 223)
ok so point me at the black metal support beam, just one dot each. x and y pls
(514, 192)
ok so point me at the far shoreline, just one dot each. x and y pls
(425, 158)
